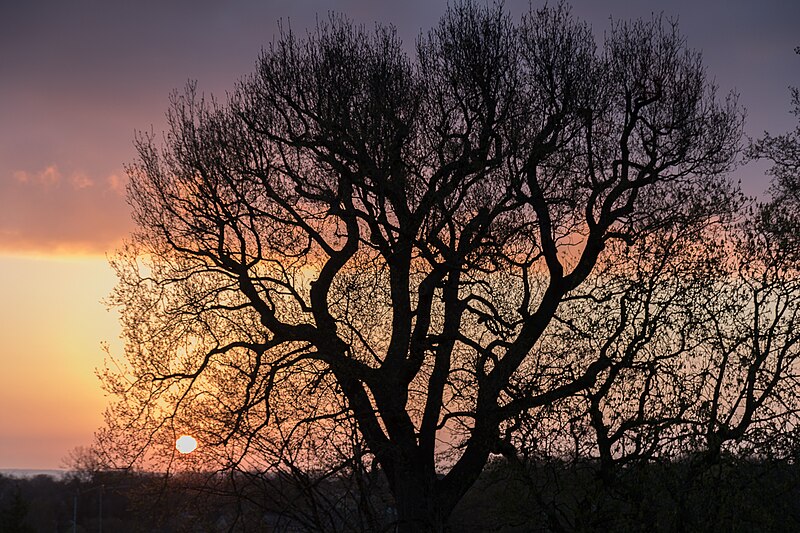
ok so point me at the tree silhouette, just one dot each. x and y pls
(779, 217)
(12, 515)
(360, 254)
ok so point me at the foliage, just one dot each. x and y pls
(13, 512)
(737, 496)
(554, 496)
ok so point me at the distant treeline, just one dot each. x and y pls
(546, 496)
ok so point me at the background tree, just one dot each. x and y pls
(779, 216)
(13, 512)
(710, 311)
(703, 387)
(358, 235)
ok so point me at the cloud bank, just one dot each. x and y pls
(49, 211)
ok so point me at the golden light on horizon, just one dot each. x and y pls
(186, 444)
(53, 326)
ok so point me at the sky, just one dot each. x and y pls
(78, 79)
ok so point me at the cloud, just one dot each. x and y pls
(45, 179)
(50, 211)
(80, 180)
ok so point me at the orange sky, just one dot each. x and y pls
(52, 324)
(78, 78)
(55, 229)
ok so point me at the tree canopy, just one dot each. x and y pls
(511, 241)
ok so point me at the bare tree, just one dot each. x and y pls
(780, 216)
(643, 310)
(356, 234)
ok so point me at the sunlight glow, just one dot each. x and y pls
(186, 444)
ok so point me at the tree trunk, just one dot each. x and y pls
(418, 508)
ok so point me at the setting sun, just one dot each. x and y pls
(186, 444)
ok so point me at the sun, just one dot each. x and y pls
(186, 444)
